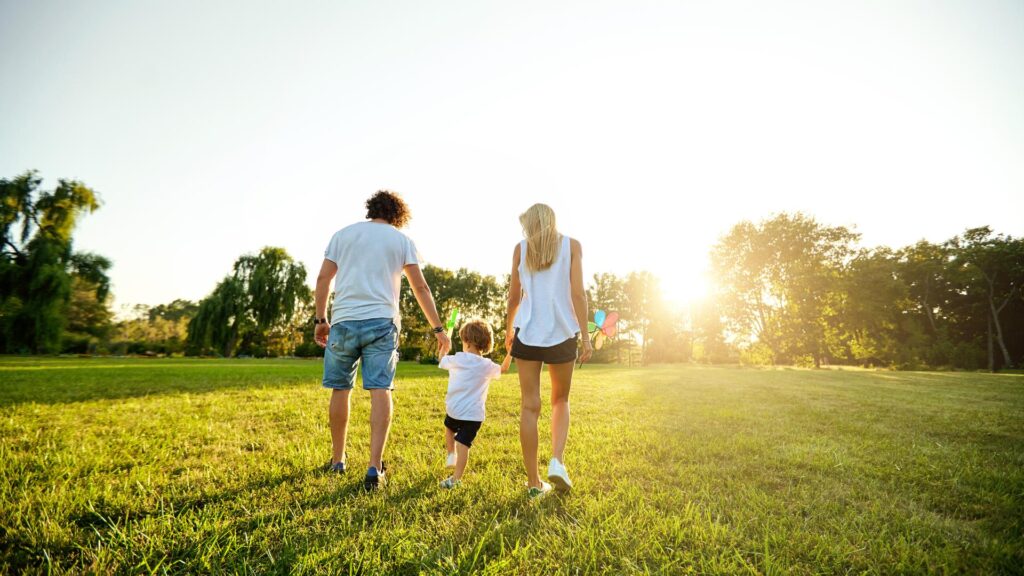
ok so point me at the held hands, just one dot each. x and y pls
(320, 334)
(443, 344)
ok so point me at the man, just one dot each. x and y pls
(368, 259)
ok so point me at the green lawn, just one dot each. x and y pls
(208, 466)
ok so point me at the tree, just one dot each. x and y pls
(643, 306)
(39, 268)
(161, 329)
(608, 292)
(252, 310)
(777, 283)
(995, 267)
(875, 327)
(474, 294)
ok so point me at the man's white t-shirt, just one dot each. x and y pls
(469, 377)
(370, 258)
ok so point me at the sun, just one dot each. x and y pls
(682, 288)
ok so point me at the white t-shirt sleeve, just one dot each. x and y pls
(411, 255)
(447, 363)
(495, 371)
(331, 253)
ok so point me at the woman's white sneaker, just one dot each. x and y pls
(559, 476)
(533, 492)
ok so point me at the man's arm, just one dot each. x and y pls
(323, 287)
(425, 299)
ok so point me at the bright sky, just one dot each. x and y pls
(212, 129)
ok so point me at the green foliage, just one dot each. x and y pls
(193, 466)
(800, 290)
(474, 294)
(44, 284)
(161, 329)
(261, 309)
(778, 283)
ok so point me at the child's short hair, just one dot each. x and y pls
(478, 333)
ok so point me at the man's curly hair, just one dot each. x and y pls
(388, 205)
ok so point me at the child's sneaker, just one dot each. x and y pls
(450, 462)
(559, 476)
(533, 492)
(334, 467)
(374, 478)
(450, 483)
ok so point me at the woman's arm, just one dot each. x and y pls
(515, 295)
(579, 299)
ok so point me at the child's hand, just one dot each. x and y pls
(506, 364)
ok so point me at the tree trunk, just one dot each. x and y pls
(928, 307)
(999, 328)
(991, 350)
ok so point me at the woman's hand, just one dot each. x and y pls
(586, 350)
(509, 337)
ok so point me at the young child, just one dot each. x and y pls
(469, 376)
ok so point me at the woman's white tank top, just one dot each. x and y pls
(546, 316)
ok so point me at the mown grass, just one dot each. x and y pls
(193, 466)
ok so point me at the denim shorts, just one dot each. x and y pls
(374, 342)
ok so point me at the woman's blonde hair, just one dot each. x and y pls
(542, 237)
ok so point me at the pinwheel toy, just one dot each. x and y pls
(604, 326)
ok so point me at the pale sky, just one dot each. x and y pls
(212, 129)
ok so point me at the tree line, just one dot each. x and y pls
(787, 290)
(797, 291)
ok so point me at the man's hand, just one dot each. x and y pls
(586, 350)
(320, 334)
(443, 344)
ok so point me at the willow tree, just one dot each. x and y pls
(254, 309)
(37, 262)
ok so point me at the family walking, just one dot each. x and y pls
(547, 305)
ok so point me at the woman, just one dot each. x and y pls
(546, 307)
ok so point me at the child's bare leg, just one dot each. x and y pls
(461, 457)
(449, 440)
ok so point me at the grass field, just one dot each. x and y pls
(209, 466)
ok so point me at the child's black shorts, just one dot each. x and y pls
(465, 430)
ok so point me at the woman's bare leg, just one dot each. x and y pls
(529, 387)
(561, 382)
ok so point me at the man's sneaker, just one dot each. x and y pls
(334, 467)
(450, 483)
(559, 476)
(533, 492)
(450, 462)
(375, 479)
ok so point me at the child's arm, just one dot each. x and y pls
(506, 364)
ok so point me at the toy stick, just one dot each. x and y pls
(451, 322)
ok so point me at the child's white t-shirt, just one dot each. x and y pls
(469, 376)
